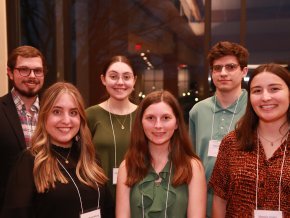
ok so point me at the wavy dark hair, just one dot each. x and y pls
(225, 48)
(138, 157)
(249, 122)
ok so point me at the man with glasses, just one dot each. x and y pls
(211, 119)
(26, 68)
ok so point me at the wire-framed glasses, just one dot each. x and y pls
(228, 67)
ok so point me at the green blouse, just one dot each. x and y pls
(103, 138)
(155, 194)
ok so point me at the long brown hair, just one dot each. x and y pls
(46, 169)
(138, 157)
(249, 122)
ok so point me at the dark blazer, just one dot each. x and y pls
(12, 141)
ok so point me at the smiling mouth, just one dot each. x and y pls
(64, 129)
(268, 106)
(158, 133)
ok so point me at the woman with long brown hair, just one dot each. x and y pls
(251, 177)
(161, 176)
(58, 176)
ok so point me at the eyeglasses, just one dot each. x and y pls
(228, 67)
(25, 71)
(125, 77)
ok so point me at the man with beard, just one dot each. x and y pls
(211, 119)
(26, 68)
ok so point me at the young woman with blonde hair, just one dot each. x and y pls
(59, 176)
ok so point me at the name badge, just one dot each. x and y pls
(267, 214)
(115, 175)
(213, 148)
(91, 214)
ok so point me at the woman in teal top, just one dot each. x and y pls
(160, 176)
(110, 122)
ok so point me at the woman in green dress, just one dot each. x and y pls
(110, 122)
(160, 176)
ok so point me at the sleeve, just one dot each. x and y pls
(191, 128)
(90, 119)
(20, 189)
(220, 178)
(108, 207)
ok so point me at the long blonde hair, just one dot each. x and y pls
(46, 169)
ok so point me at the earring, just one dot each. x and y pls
(77, 138)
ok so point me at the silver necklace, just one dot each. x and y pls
(64, 158)
(271, 142)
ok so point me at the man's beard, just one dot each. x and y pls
(28, 93)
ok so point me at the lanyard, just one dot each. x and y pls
(167, 193)
(281, 172)
(213, 116)
(81, 203)
(114, 136)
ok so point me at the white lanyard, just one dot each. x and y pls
(114, 137)
(281, 172)
(213, 116)
(167, 193)
(81, 203)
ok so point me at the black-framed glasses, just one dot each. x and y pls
(25, 71)
(228, 67)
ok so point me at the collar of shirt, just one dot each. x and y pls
(20, 104)
(231, 108)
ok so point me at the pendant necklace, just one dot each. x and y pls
(113, 131)
(271, 142)
(122, 124)
(64, 158)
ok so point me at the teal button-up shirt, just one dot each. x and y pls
(200, 129)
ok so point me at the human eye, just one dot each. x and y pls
(24, 70)
(38, 71)
(113, 77)
(149, 117)
(166, 117)
(231, 67)
(275, 88)
(74, 113)
(255, 91)
(56, 111)
(217, 68)
(127, 77)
